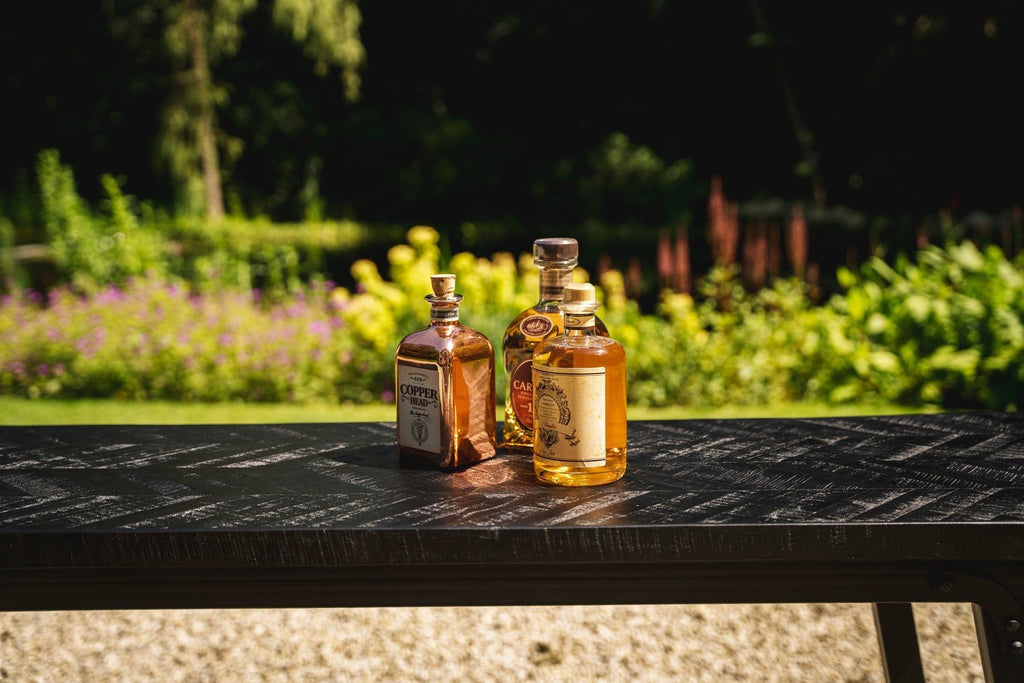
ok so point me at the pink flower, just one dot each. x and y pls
(319, 327)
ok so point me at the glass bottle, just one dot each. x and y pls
(579, 380)
(444, 387)
(556, 257)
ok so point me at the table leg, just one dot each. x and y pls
(998, 665)
(897, 642)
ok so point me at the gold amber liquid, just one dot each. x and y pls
(468, 426)
(516, 348)
(590, 351)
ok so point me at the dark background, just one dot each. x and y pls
(494, 112)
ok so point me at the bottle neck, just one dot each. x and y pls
(552, 281)
(444, 311)
(579, 324)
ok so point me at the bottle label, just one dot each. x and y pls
(579, 320)
(522, 393)
(569, 416)
(536, 326)
(419, 406)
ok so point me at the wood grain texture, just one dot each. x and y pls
(929, 487)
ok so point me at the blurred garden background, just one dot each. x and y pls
(789, 209)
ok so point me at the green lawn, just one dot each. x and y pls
(19, 411)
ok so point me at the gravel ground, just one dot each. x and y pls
(644, 643)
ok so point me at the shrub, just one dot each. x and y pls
(89, 250)
(945, 329)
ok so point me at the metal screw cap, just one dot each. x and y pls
(563, 251)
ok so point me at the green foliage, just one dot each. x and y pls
(8, 266)
(152, 340)
(240, 254)
(125, 238)
(732, 348)
(328, 30)
(91, 250)
(947, 328)
(630, 182)
(199, 35)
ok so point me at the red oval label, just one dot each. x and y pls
(522, 393)
(536, 326)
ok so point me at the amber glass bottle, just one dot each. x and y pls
(579, 386)
(556, 257)
(444, 388)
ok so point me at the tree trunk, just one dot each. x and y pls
(205, 131)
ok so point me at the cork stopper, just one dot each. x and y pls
(444, 302)
(556, 251)
(579, 302)
(443, 285)
(579, 293)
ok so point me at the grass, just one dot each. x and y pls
(21, 411)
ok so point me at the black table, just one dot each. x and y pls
(882, 510)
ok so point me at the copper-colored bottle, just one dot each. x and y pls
(556, 257)
(444, 387)
(579, 380)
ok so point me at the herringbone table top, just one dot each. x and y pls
(328, 494)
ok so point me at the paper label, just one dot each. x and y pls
(419, 406)
(521, 393)
(569, 416)
(536, 326)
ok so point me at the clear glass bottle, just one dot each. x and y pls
(556, 257)
(579, 385)
(444, 387)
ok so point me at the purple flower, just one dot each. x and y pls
(43, 369)
(319, 327)
(110, 295)
(387, 396)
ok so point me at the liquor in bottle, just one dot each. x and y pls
(579, 387)
(444, 387)
(556, 257)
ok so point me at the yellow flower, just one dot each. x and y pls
(422, 236)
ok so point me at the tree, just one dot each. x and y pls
(199, 34)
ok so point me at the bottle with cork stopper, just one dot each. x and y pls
(445, 388)
(579, 387)
(556, 258)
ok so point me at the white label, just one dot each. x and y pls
(569, 416)
(419, 406)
